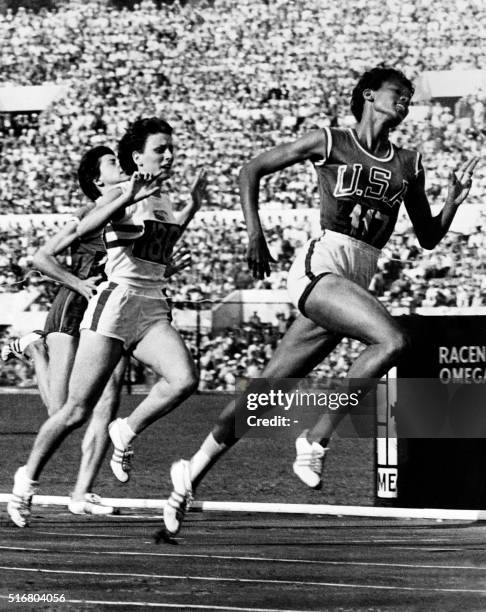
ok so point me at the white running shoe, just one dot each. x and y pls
(91, 504)
(19, 506)
(11, 350)
(308, 462)
(181, 497)
(17, 347)
(121, 460)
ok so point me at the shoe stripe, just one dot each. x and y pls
(177, 497)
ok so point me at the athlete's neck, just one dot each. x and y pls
(373, 135)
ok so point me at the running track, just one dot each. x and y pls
(223, 561)
(248, 563)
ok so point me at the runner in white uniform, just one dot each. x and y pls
(129, 311)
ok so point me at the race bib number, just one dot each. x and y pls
(157, 242)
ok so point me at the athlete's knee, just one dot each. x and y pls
(55, 405)
(396, 343)
(75, 413)
(184, 385)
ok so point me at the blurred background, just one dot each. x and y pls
(234, 77)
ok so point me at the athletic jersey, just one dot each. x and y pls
(139, 242)
(88, 254)
(361, 193)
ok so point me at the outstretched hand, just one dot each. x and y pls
(199, 188)
(142, 185)
(179, 260)
(259, 257)
(460, 182)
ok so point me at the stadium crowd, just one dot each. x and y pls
(232, 77)
(451, 275)
(235, 77)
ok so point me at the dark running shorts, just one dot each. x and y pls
(66, 313)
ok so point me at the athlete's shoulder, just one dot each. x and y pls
(338, 136)
(410, 158)
(323, 140)
(337, 131)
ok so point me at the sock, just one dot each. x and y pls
(24, 341)
(126, 432)
(208, 451)
(22, 482)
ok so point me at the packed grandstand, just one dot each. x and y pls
(234, 77)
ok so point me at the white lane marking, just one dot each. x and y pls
(149, 604)
(128, 553)
(83, 535)
(328, 543)
(282, 508)
(381, 587)
(257, 559)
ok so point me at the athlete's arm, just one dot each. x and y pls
(139, 187)
(428, 229)
(198, 193)
(106, 206)
(45, 261)
(310, 147)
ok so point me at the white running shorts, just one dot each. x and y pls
(124, 312)
(332, 253)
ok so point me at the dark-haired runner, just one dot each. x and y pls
(363, 179)
(52, 352)
(128, 313)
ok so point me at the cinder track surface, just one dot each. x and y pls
(223, 561)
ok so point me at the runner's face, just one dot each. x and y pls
(393, 99)
(157, 155)
(110, 171)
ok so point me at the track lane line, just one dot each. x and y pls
(177, 606)
(128, 553)
(340, 585)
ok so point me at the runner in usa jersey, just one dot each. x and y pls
(361, 193)
(362, 180)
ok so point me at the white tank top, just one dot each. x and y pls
(139, 243)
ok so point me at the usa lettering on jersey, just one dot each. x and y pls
(377, 188)
(360, 193)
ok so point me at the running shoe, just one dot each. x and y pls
(308, 462)
(16, 347)
(11, 350)
(19, 506)
(121, 460)
(91, 504)
(181, 497)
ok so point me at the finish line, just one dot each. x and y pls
(277, 508)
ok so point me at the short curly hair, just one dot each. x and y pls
(89, 170)
(135, 138)
(373, 79)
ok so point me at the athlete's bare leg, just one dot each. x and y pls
(96, 358)
(38, 352)
(346, 308)
(53, 359)
(163, 350)
(303, 346)
(95, 441)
